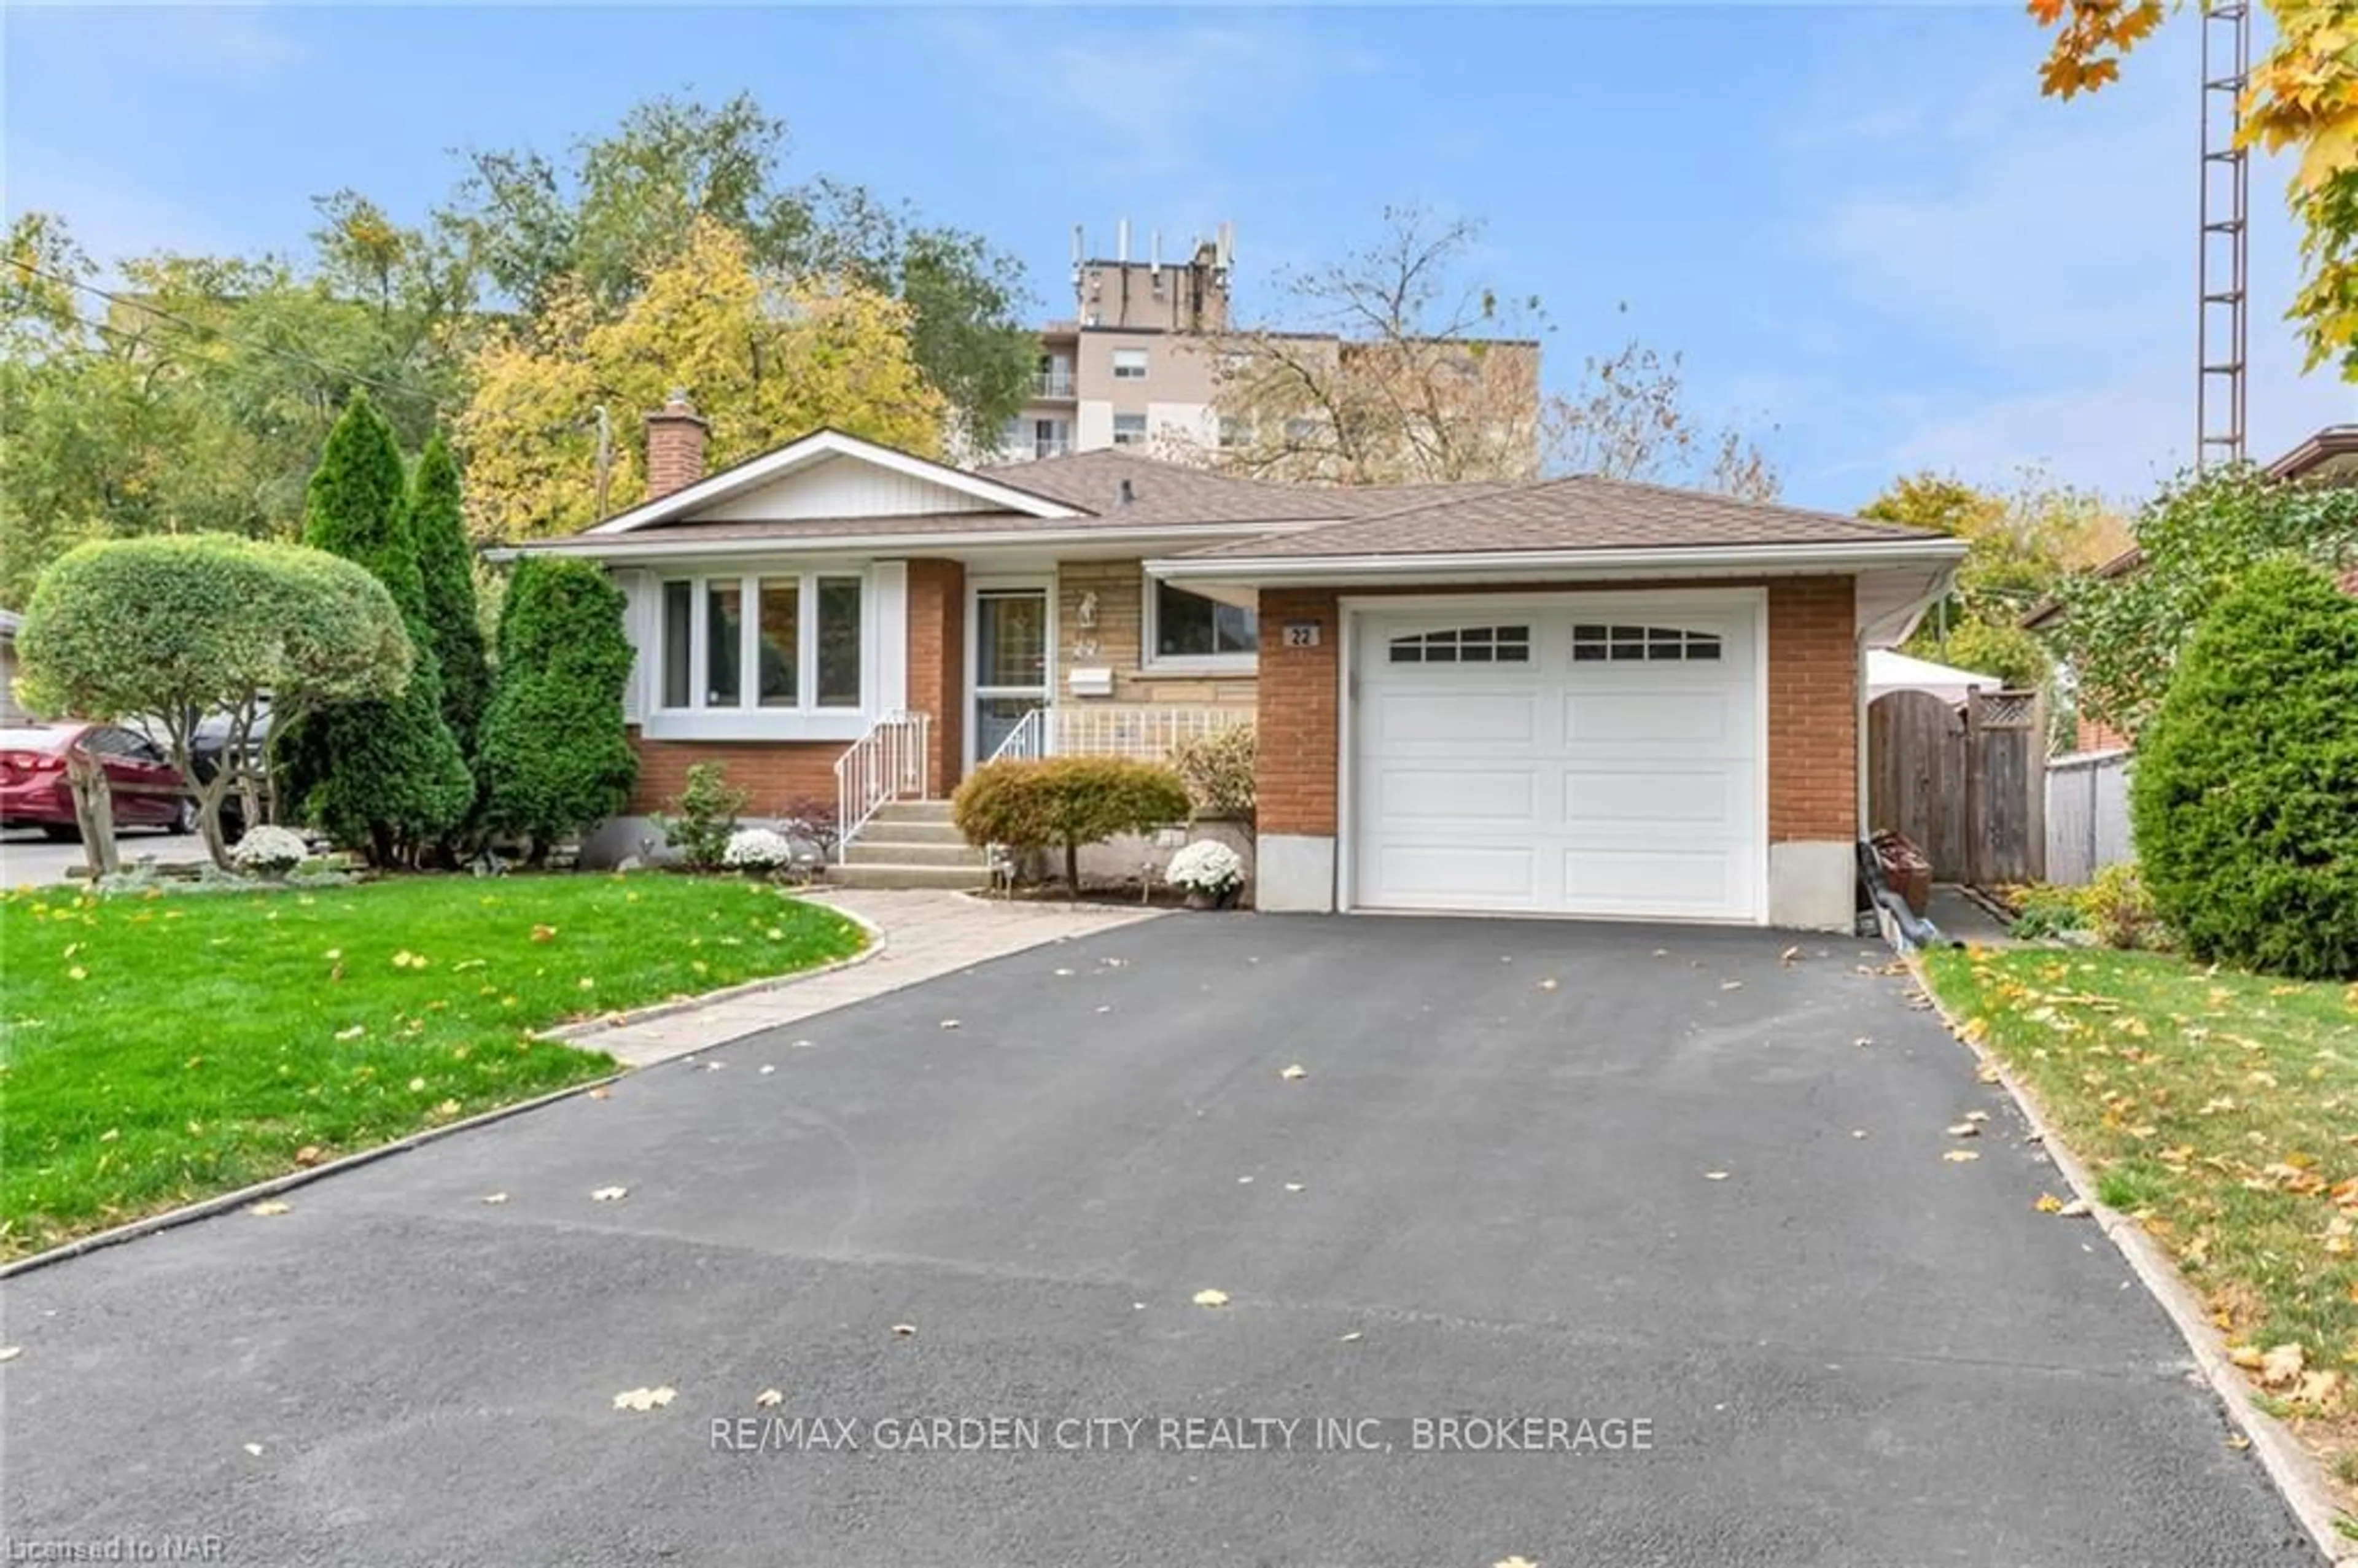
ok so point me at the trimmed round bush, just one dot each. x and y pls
(2246, 794)
(1066, 802)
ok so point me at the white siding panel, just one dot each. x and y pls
(841, 487)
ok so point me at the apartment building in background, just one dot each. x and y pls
(1139, 362)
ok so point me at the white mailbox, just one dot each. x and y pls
(1090, 681)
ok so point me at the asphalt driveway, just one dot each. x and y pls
(1843, 1350)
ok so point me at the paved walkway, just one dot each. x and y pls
(927, 935)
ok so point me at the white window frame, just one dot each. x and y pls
(747, 718)
(1124, 435)
(1130, 364)
(1152, 663)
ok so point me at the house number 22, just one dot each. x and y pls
(1302, 633)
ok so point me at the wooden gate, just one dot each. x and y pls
(1966, 784)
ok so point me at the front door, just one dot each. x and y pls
(1011, 662)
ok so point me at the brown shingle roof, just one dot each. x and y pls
(1580, 512)
(1168, 492)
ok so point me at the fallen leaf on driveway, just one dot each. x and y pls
(1989, 1075)
(1976, 1116)
(601, 1092)
(610, 1195)
(1959, 1156)
(1351, 1338)
(769, 1397)
(768, 1067)
(254, 1449)
(1549, 984)
(1731, 985)
(643, 1398)
(1516, 1562)
(1714, 1176)
(269, 1207)
(950, 1024)
(1296, 1071)
(2048, 1204)
(1862, 1041)
(1211, 1298)
(2076, 1209)
(2238, 1441)
(1063, 971)
(493, 1197)
(10, 1352)
(904, 1330)
(1786, 957)
(1294, 1186)
(1965, 1130)
(1858, 1132)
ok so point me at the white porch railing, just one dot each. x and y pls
(1027, 741)
(1147, 732)
(890, 763)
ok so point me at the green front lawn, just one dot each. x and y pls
(157, 1049)
(2220, 1109)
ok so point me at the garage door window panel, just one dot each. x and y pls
(1464, 645)
(1597, 642)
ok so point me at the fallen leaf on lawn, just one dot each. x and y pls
(2247, 1357)
(493, 1197)
(10, 1352)
(2048, 1204)
(2281, 1363)
(1965, 1130)
(1959, 1156)
(2318, 1388)
(543, 933)
(1987, 1075)
(610, 1195)
(588, 984)
(1211, 1298)
(950, 1024)
(416, 1086)
(77, 973)
(354, 1032)
(254, 1449)
(769, 1397)
(1296, 1071)
(309, 1154)
(904, 1330)
(643, 1398)
(269, 1207)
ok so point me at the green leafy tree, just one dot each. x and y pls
(2122, 634)
(386, 774)
(2246, 795)
(1063, 803)
(183, 629)
(556, 759)
(447, 576)
(623, 203)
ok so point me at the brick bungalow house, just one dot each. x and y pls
(2330, 458)
(1570, 697)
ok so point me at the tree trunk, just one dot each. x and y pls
(94, 804)
(1072, 867)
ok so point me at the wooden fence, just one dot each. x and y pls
(1966, 784)
(2087, 816)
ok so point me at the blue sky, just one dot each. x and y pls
(1860, 225)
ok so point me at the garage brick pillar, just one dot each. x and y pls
(1300, 764)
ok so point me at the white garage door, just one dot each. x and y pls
(1597, 754)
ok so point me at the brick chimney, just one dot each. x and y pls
(674, 445)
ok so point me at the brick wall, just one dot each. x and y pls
(2095, 735)
(937, 662)
(1118, 641)
(1812, 708)
(779, 773)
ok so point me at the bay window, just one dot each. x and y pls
(763, 643)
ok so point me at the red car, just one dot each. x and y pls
(33, 791)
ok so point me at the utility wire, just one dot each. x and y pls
(290, 355)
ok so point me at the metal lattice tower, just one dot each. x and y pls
(2223, 268)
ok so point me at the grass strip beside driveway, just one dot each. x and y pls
(2220, 1110)
(158, 1049)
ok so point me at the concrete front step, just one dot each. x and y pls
(899, 811)
(940, 834)
(901, 850)
(870, 874)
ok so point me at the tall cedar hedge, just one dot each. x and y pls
(387, 774)
(555, 756)
(446, 570)
(2246, 794)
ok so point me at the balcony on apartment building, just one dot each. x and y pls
(1053, 384)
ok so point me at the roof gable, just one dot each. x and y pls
(830, 474)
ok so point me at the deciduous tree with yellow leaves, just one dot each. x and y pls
(2304, 95)
(552, 431)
